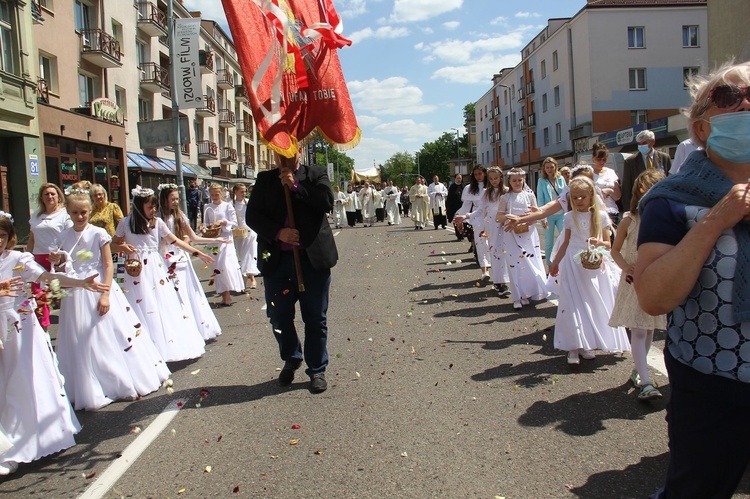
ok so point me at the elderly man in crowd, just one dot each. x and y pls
(647, 158)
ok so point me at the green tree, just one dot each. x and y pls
(434, 156)
(325, 153)
(396, 167)
(469, 112)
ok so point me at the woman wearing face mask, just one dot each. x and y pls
(694, 265)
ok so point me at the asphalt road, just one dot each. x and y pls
(437, 388)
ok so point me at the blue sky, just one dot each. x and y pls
(414, 64)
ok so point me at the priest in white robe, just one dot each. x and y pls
(369, 199)
(420, 204)
(437, 193)
(392, 195)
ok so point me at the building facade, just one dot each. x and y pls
(105, 67)
(615, 65)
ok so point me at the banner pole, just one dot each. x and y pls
(175, 110)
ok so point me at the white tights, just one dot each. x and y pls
(640, 343)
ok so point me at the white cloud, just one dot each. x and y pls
(371, 150)
(407, 129)
(366, 120)
(427, 30)
(209, 10)
(478, 70)
(457, 51)
(392, 96)
(351, 8)
(498, 20)
(451, 25)
(405, 11)
(382, 33)
(527, 14)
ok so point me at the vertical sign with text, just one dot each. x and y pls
(187, 77)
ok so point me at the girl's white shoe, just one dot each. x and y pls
(8, 467)
(573, 358)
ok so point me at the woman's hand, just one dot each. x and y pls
(732, 208)
(54, 258)
(128, 248)
(95, 286)
(103, 306)
(223, 222)
(511, 221)
(545, 224)
(221, 240)
(204, 258)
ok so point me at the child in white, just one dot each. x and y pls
(485, 216)
(180, 269)
(586, 296)
(105, 354)
(528, 278)
(627, 311)
(151, 294)
(246, 246)
(227, 274)
(34, 409)
(471, 197)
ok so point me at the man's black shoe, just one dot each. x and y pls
(287, 373)
(318, 383)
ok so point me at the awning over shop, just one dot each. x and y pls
(161, 166)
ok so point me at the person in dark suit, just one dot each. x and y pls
(312, 199)
(646, 158)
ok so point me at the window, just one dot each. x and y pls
(513, 119)
(506, 123)
(689, 72)
(47, 4)
(523, 144)
(142, 54)
(86, 90)
(546, 136)
(544, 69)
(558, 133)
(117, 31)
(82, 15)
(474, 128)
(636, 38)
(48, 71)
(557, 96)
(507, 148)
(554, 61)
(690, 36)
(144, 109)
(120, 100)
(8, 62)
(544, 103)
(638, 117)
(637, 78)
(481, 137)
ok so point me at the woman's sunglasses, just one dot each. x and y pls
(728, 96)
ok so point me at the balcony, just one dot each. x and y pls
(209, 108)
(530, 88)
(100, 48)
(151, 20)
(522, 124)
(228, 155)
(520, 94)
(206, 59)
(240, 93)
(42, 91)
(154, 78)
(36, 12)
(245, 128)
(532, 120)
(207, 150)
(226, 118)
(224, 79)
(184, 149)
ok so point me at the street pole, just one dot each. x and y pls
(418, 171)
(510, 107)
(175, 110)
(458, 152)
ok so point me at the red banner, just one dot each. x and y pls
(287, 51)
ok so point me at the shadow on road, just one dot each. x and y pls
(635, 481)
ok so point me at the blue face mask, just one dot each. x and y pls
(644, 148)
(730, 136)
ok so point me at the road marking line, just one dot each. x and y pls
(107, 480)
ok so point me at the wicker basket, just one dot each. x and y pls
(591, 259)
(240, 233)
(212, 231)
(521, 228)
(133, 266)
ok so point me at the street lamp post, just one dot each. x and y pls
(510, 111)
(416, 154)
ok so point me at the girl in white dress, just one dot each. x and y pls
(471, 197)
(154, 299)
(485, 216)
(528, 278)
(102, 347)
(227, 274)
(586, 296)
(186, 281)
(627, 311)
(34, 409)
(247, 245)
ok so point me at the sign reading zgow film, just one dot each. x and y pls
(106, 110)
(187, 76)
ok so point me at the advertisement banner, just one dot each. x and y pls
(187, 74)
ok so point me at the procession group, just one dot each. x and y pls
(117, 331)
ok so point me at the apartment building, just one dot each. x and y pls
(20, 147)
(104, 67)
(614, 68)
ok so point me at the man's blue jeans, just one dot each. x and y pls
(281, 296)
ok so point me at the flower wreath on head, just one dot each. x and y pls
(6, 215)
(141, 192)
(578, 168)
(76, 190)
(167, 186)
(519, 173)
